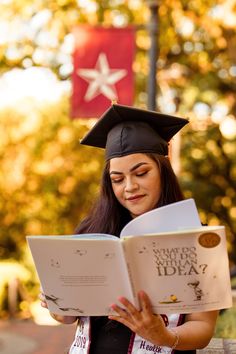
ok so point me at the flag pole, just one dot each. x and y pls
(153, 53)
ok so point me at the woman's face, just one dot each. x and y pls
(136, 182)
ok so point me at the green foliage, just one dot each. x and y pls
(233, 282)
(208, 176)
(226, 324)
(190, 35)
(47, 179)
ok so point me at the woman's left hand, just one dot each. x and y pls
(147, 325)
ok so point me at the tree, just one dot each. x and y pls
(209, 176)
(47, 181)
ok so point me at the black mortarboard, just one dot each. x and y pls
(124, 130)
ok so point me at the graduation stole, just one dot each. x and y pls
(137, 344)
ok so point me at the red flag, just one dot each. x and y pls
(103, 59)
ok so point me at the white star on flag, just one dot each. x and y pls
(101, 79)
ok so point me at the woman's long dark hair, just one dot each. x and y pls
(109, 216)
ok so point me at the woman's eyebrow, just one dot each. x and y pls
(116, 173)
(132, 168)
(138, 165)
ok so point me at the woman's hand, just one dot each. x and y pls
(194, 333)
(61, 319)
(147, 325)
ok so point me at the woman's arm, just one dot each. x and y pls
(197, 330)
(195, 333)
(61, 319)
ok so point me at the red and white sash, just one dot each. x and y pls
(82, 339)
(137, 345)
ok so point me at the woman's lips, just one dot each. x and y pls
(135, 198)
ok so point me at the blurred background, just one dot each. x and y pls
(48, 181)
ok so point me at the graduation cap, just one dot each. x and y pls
(124, 130)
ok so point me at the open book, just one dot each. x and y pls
(181, 265)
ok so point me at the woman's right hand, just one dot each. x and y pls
(59, 318)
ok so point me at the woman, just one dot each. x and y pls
(137, 178)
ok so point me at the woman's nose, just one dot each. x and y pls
(131, 185)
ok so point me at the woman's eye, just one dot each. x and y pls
(117, 180)
(143, 173)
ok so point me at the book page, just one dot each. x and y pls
(182, 272)
(172, 217)
(80, 276)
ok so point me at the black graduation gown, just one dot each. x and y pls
(110, 337)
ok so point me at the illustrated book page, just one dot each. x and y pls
(81, 276)
(182, 272)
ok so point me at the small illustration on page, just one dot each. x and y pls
(80, 252)
(52, 298)
(71, 308)
(197, 290)
(171, 300)
(55, 300)
(54, 263)
(143, 249)
(109, 255)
